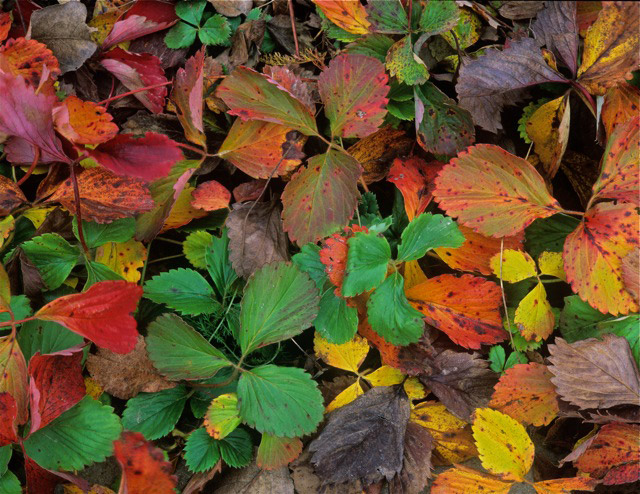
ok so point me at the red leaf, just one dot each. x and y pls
(353, 89)
(211, 196)
(102, 314)
(144, 469)
(39, 480)
(293, 84)
(27, 58)
(466, 308)
(149, 157)
(56, 385)
(187, 96)
(5, 25)
(136, 71)
(145, 17)
(13, 378)
(8, 414)
(414, 177)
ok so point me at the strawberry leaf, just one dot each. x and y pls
(426, 232)
(53, 256)
(155, 414)
(184, 290)
(367, 262)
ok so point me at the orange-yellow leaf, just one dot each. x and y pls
(464, 480)
(593, 255)
(222, 416)
(13, 375)
(376, 151)
(334, 255)
(182, 212)
(27, 58)
(493, 192)
(210, 196)
(388, 376)
(503, 444)
(621, 104)
(348, 356)
(413, 274)
(526, 393)
(124, 258)
(534, 317)
(414, 178)
(565, 486)
(83, 122)
(350, 15)
(516, 266)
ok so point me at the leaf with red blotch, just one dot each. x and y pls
(414, 178)
(104, 197)
(83, 122)
(347, 14)
(467, 308)
(276, 452)
(10, 195)
(321, 198)
(145, 17)
(254, 96)
(27, 58)
(565, 486)
(353, 89)
(334, 255)
(5, 25)
(477, 250)
(288, 80)
(620, 105)
(620, 177)
(593, 255)
(258, 147)
(136, 71)
(56, 385)
(614, 455)
(211, 196)
(187, 97)
(8, 414)
(149, 158)
(102, 314)
(13, 378)
(526, 393)
(27, 116)
(144, 469)
(465, 480)
(492, 191)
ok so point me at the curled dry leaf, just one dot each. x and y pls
(416, 466)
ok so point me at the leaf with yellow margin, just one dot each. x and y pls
(388, 376)
(516, 266)
(551, 264)
(503, 444)
(276, 452)
(350, 15)
(593, 255)
(222, 416)
(124, 258)
(565, 486)
(534, 317)
(183, 212)
(346, 396)
(348, 356)
(526, 393)
(464, 480)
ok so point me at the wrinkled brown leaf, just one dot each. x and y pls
(232, 8)
(306, 481)
(252, 480)
(556, 27)
(245, 43)
(10, 195)
(249, 191)
(582, 171)
(416, 469)
(518, 10)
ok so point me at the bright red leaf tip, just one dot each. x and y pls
(8, 414)
(210, 196)
(102, 314)
(149, 157)
(144, 469)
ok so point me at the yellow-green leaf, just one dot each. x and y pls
(222, 416)
(516, 266)
(534, 317)
(551, 264)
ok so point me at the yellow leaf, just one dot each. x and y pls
(413, 274)
(222, 416)
(348, 356)
(565, 486)
(7, 225)
(183, 212)
(464, 480)
(516, 265)
(37, 215)
(124, 258)
(350, 15)
(503, 444)
(534, 317)
(5, 290)
(548, 129)
(347, 396)
(93, 388)
(551, 263)
(388, 376)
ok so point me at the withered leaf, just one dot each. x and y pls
(595, 373)
(10, 195)
(363, 440)
(556, 27)
(416, 469)
(517, 10)
(126, 375)
(256, 237)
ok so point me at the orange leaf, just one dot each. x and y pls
(13, 375)
(464, 480)
(621, 104)
(466, 308)
(593, 255)
(10, 195)
(83, 122)
(334, 255)
(565, 486)
(27, 58)
(144, 469)
(525, 392)
(414, 177)
(350, 15)
(477, 250)
(493, 192)
(102, 314)
(5, 25)
(211, 196)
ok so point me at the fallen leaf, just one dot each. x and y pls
(10, 196)
(514, 266)
(293, 83)
(83, 122)
(334, 255)
(565, 486)
(277, 452)
(347, 356)
(211, 196)
(347, 14)
(464, 480)
(620, 105)
(13, 379)
(416, 466)
(414, 178)
(5, 25)
(595, 373)
(253, 480)
(187, 98)
(518, 10)
(27, 58)
(403, 64)
(551, 264)
(533, 317)
(556, 28)
(631, 273)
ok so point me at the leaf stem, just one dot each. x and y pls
(134, 91)
(194, 149)
(577, 213)
(76, 198)
(34, 163)
(13, 322)
(293, 27)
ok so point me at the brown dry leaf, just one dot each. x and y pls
(126, 375)
(556, 28)
(200, 480)
(252, 480)
(10, 195)
(416, 469)
(306, 481)
(255, 236)
(232, 8)
(595, 373)
(518, 10)
(582, 171)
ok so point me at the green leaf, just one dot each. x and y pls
(514, 359)
(53, 257)
(281, 401)
(439, 16)
(405, 65)
(371, 45)
(191, 11)
(195, 248)
(184, 290)
(97, 234)
(96, 271)
(579, 321)
(549, 234)
(390, 314)
(201, 398)
(216, 31)
(219, 265)
(336, 321)
(428, 231)
(404, 110)
(155, 414)
(387, 16)
(9, 484)
(497, 357)
(20, 306)
(366, 263)
(5, 456)
(237, 448)
(279, 302)
(180, 352)
(308, 261)
(182, 35)
(201, 451)
(78, 437)
(45, 337)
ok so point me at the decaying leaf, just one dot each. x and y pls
(556, 28)
(211, 196)
(464, 480)
(10, 196)
(416, 466)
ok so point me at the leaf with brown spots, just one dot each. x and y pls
(565, 486)
(5, 25)
(525, 392)
(595, 373)
(83, 122)
(27, 58)
(467, 308)
(620, 178)
(414, 178)
(124, 258)
(621, 104)
(593, 255)
(492, 191)
(187, 97)
(347, 14)
(144, 468)
(210, 196)
(10, 196)
(104, 197)
(465, 480)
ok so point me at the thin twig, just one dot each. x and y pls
(293, 27)
(34, 163)
(134, 91)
